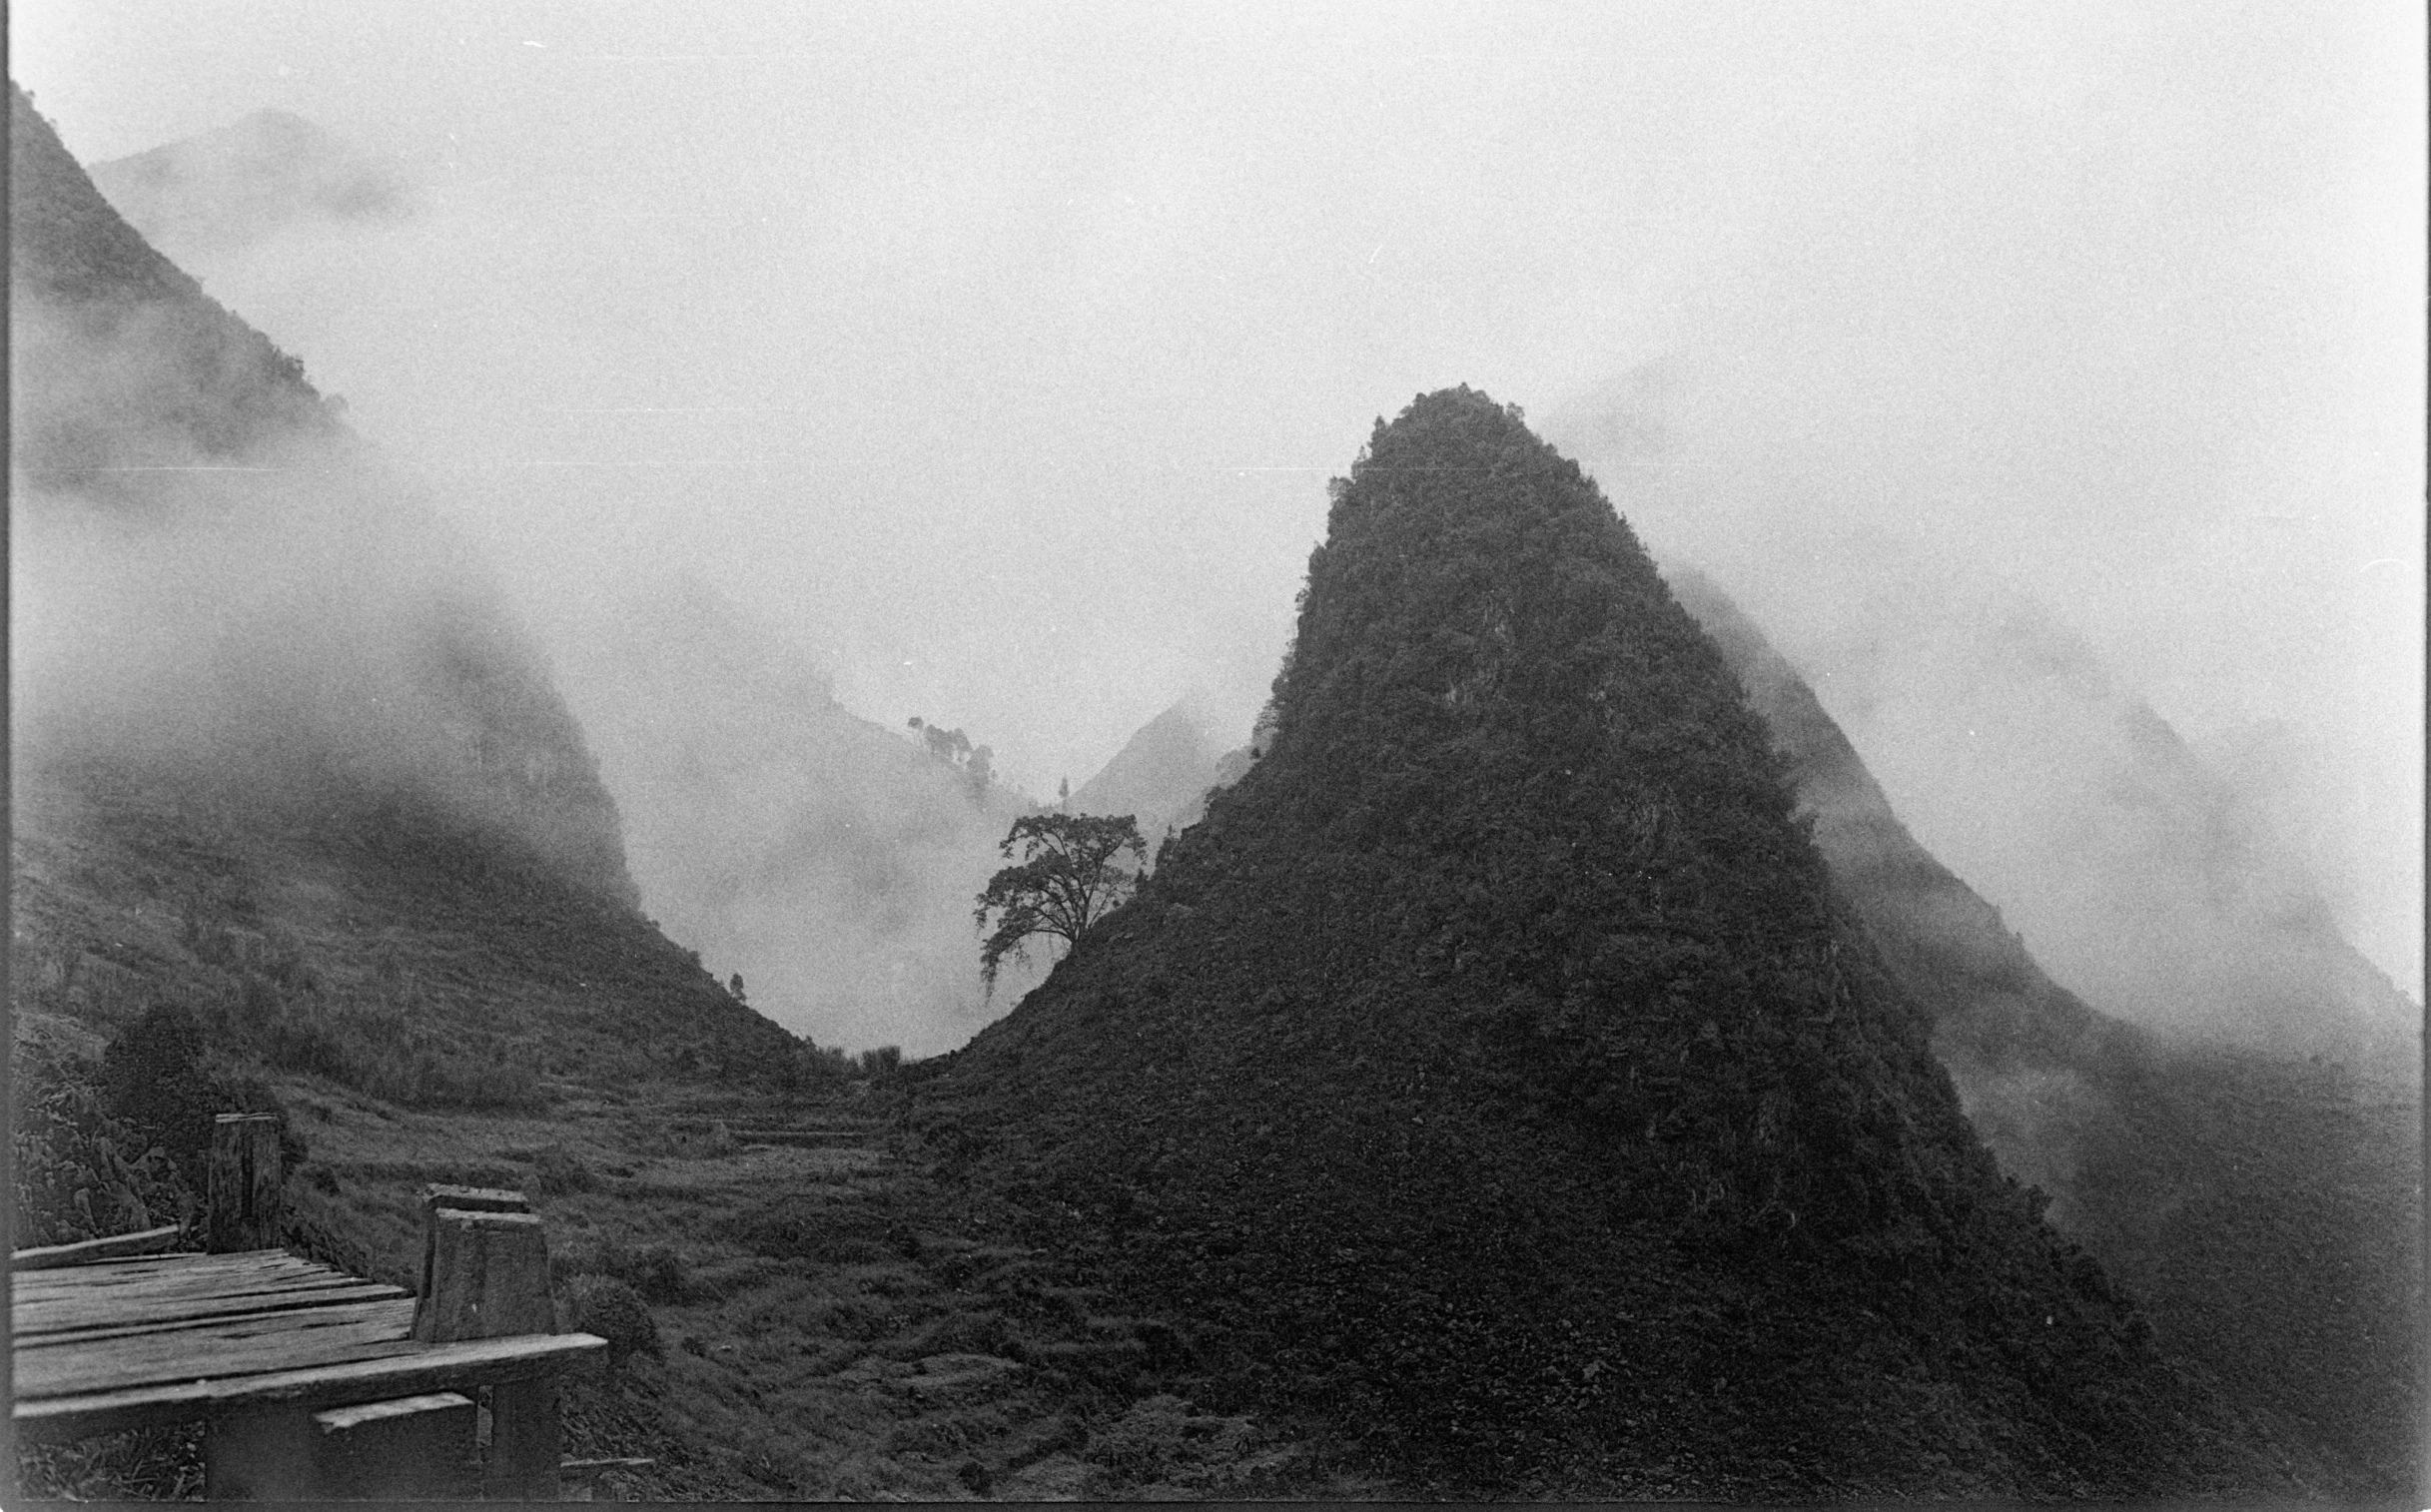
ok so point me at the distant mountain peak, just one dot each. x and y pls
(251, 179)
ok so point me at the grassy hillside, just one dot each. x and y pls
(282, 759)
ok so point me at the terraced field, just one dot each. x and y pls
(829, 1322)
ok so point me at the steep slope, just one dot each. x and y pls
(281, 754)
(830, 861)
(1495, 1073)
(1161, 776)
(2145, 881)
(2009, 1036)
(2265, 1208)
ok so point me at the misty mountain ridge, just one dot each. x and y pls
(827, 859)
(2264, 1205)
(2147, 883)
(1163, 775)
(250, 179)
(2003, 1028)
(1496, 1052)
(123, 364)
(282, 753)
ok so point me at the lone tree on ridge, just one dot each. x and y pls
(1065, 881)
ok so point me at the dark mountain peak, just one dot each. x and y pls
(1500, 1027)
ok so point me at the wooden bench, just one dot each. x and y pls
(312, 1383)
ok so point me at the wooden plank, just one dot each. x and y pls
(43, 1323)
(51, 1256)
(155, 1290)
(346, 1419)
(436, 1367)
(233, 1314)
(105, 1274)
(163, 1281)
(30, 1320)
(112, 1273)
(475, 1198)
(292, 1342)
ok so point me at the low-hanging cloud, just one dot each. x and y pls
(829, 862)
(280, 623)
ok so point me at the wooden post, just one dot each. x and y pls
(486, 1275)
(246, 1182)
(264, 1454)
(464, 1199)
(413, 1449)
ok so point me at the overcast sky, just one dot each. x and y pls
(1002, 353)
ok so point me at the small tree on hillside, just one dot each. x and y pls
(1065, 881)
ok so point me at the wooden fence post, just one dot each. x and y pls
(248, 1178)
(257, 1454)
(486, 1275)
(413, 1448)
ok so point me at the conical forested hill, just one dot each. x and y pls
(1495, 1075)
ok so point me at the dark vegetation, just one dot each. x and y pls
(1069, 877)
(1497, 1076)
(2265, 1206)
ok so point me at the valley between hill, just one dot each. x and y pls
(834, 1320)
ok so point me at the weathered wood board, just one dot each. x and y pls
(285, 1341)
(85, 1252)
(37, 1318)
(427, 1367)
(232, 1311)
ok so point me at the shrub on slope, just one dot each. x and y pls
(1495, 1073)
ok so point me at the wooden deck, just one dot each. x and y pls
(123, 1343)
(312, 1385)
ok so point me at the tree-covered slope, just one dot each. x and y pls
(2264, 1205)
(1496, 1074)
(1994, 1011)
